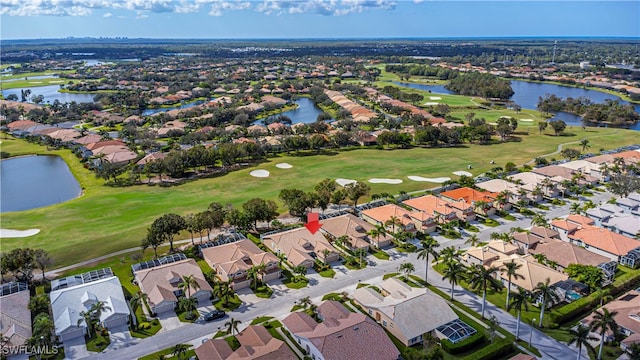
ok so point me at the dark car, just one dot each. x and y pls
(213, 315)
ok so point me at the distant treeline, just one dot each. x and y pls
(611, 111)
(422, 70)
(480, 84)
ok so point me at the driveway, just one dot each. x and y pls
(120, 338)
(76, 349)
(170, 321)
(248, 297)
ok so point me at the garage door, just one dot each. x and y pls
(71, 334)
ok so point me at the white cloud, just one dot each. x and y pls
(107, 15)
(214, 7)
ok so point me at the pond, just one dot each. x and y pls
(307, 112)
(30, 182)
(148, 112)
(51, 93)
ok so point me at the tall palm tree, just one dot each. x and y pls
(585, 144)
(547, 293)
(407, 268)
(540, 220)
(180, 350)
(519, 301)
(575, 208)
(450, 253)
(393, 221)
(511, 270)
(474, 241)
(232, 326)
(252, 273)
(138, 299)
(604, 320)
(85, 317)
(189, 282)
(581, 336)
(481, 277)
(429, 246)
(455, 272)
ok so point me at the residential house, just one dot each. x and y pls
(15, 316)
(342, 335)
(406, 312)
(437, 208)
(73, 295)
(256, 343)
(603, 213)
(231, 262)
(160, 279)
(301, 247)
(537, 185)
(627, 308)
(480, 201)
(528, 239)
(569, 225)
(489, 253)
(624, 224)
(513, 190)
(555, 171)
(630, 203)
(393, 217)
(587, 168)
(531, 273)
(356, 231)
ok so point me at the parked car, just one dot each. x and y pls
(214, 315)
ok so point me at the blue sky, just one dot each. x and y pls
(240, 19)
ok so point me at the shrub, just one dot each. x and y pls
(464, 345)
(497, 350)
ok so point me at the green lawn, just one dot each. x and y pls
(106, 219)
(98, 343)
(168, 353)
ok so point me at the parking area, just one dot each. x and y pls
(169, 321)
(76, 349)
(120, 338)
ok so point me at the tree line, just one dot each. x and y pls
(610, 112)
(481, 84)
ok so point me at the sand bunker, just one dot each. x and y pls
(343, 182)
(35, 82)
(9, 233)
(385, 181)
(431, 103)
(435, 98)
(494, 124)
(526, 120)
(462, 173)
(259, 173)
(284, 166)
(439, 180)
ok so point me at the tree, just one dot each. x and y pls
(224, 292)
(454, 272)
(483, 278)
(43, 260)
(581, 336)
(260, 210)
(393, 221)
(603, 321)
(41, 330)
(511, 270)
(585, 144)
(575, 208)
(546, 293)
(407, 268)
(429, 246)
(232, 326)
(474, 241)
(300, 271)
(188, 282)
(360, 253)
(586, 274)
(519, 301)
(450, 253)
(39, 304)
(168, 226)
(558, 126)
(356, 190)
(542, 126)
(324, 192)
(297, 201)
(539, 220)
(153, 240)
(189, 306)
(138, 299)
(179, 350)
(20, 262)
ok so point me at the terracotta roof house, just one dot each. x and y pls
(553, 171)
(526, 240)
(406, 312)
(256, 343)
(152, 157)
(531, 271)
(531, 181)
(572, 223)
(355, 229)
(490, 252)
(161, 284)
(628, 308)
(500, 185)
(617, 247)
(565, 254)
(88, 139)
(21, 125)
(586, 167)
(301, 247)
(342, 335)
(392, 216)
(15, 316)
(472, 197)
(99, 144)
(273, 100)
(232, 260)
(442, 210)
(74, 294)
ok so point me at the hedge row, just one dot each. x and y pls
(464, 345)
(497, 350)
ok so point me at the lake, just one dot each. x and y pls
(306, 112)
(526, 94)
(148, 112)
(30, 182)
(51, 94)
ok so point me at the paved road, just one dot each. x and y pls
(284, 299)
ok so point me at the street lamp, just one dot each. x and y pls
(531, 333)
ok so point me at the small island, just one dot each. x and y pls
(610, 113)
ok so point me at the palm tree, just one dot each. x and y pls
(223, 291)
(585, 144)
(575, 208)
(407, 268)
(393, 221)
(429, 246)
(85, 317)
(581, 336)
(189, 282)
(180, 349)
(455, 272)
(634, 351)
(511, 270)
(547, 293)
(252, 273)
(300, 271)
(473, 241)
(305, 302)
(450, 253)
(232, 326)
(483, 278)
(604, 320)
(138, 299)
(539, 220)
(188, 305)
(519, 301)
